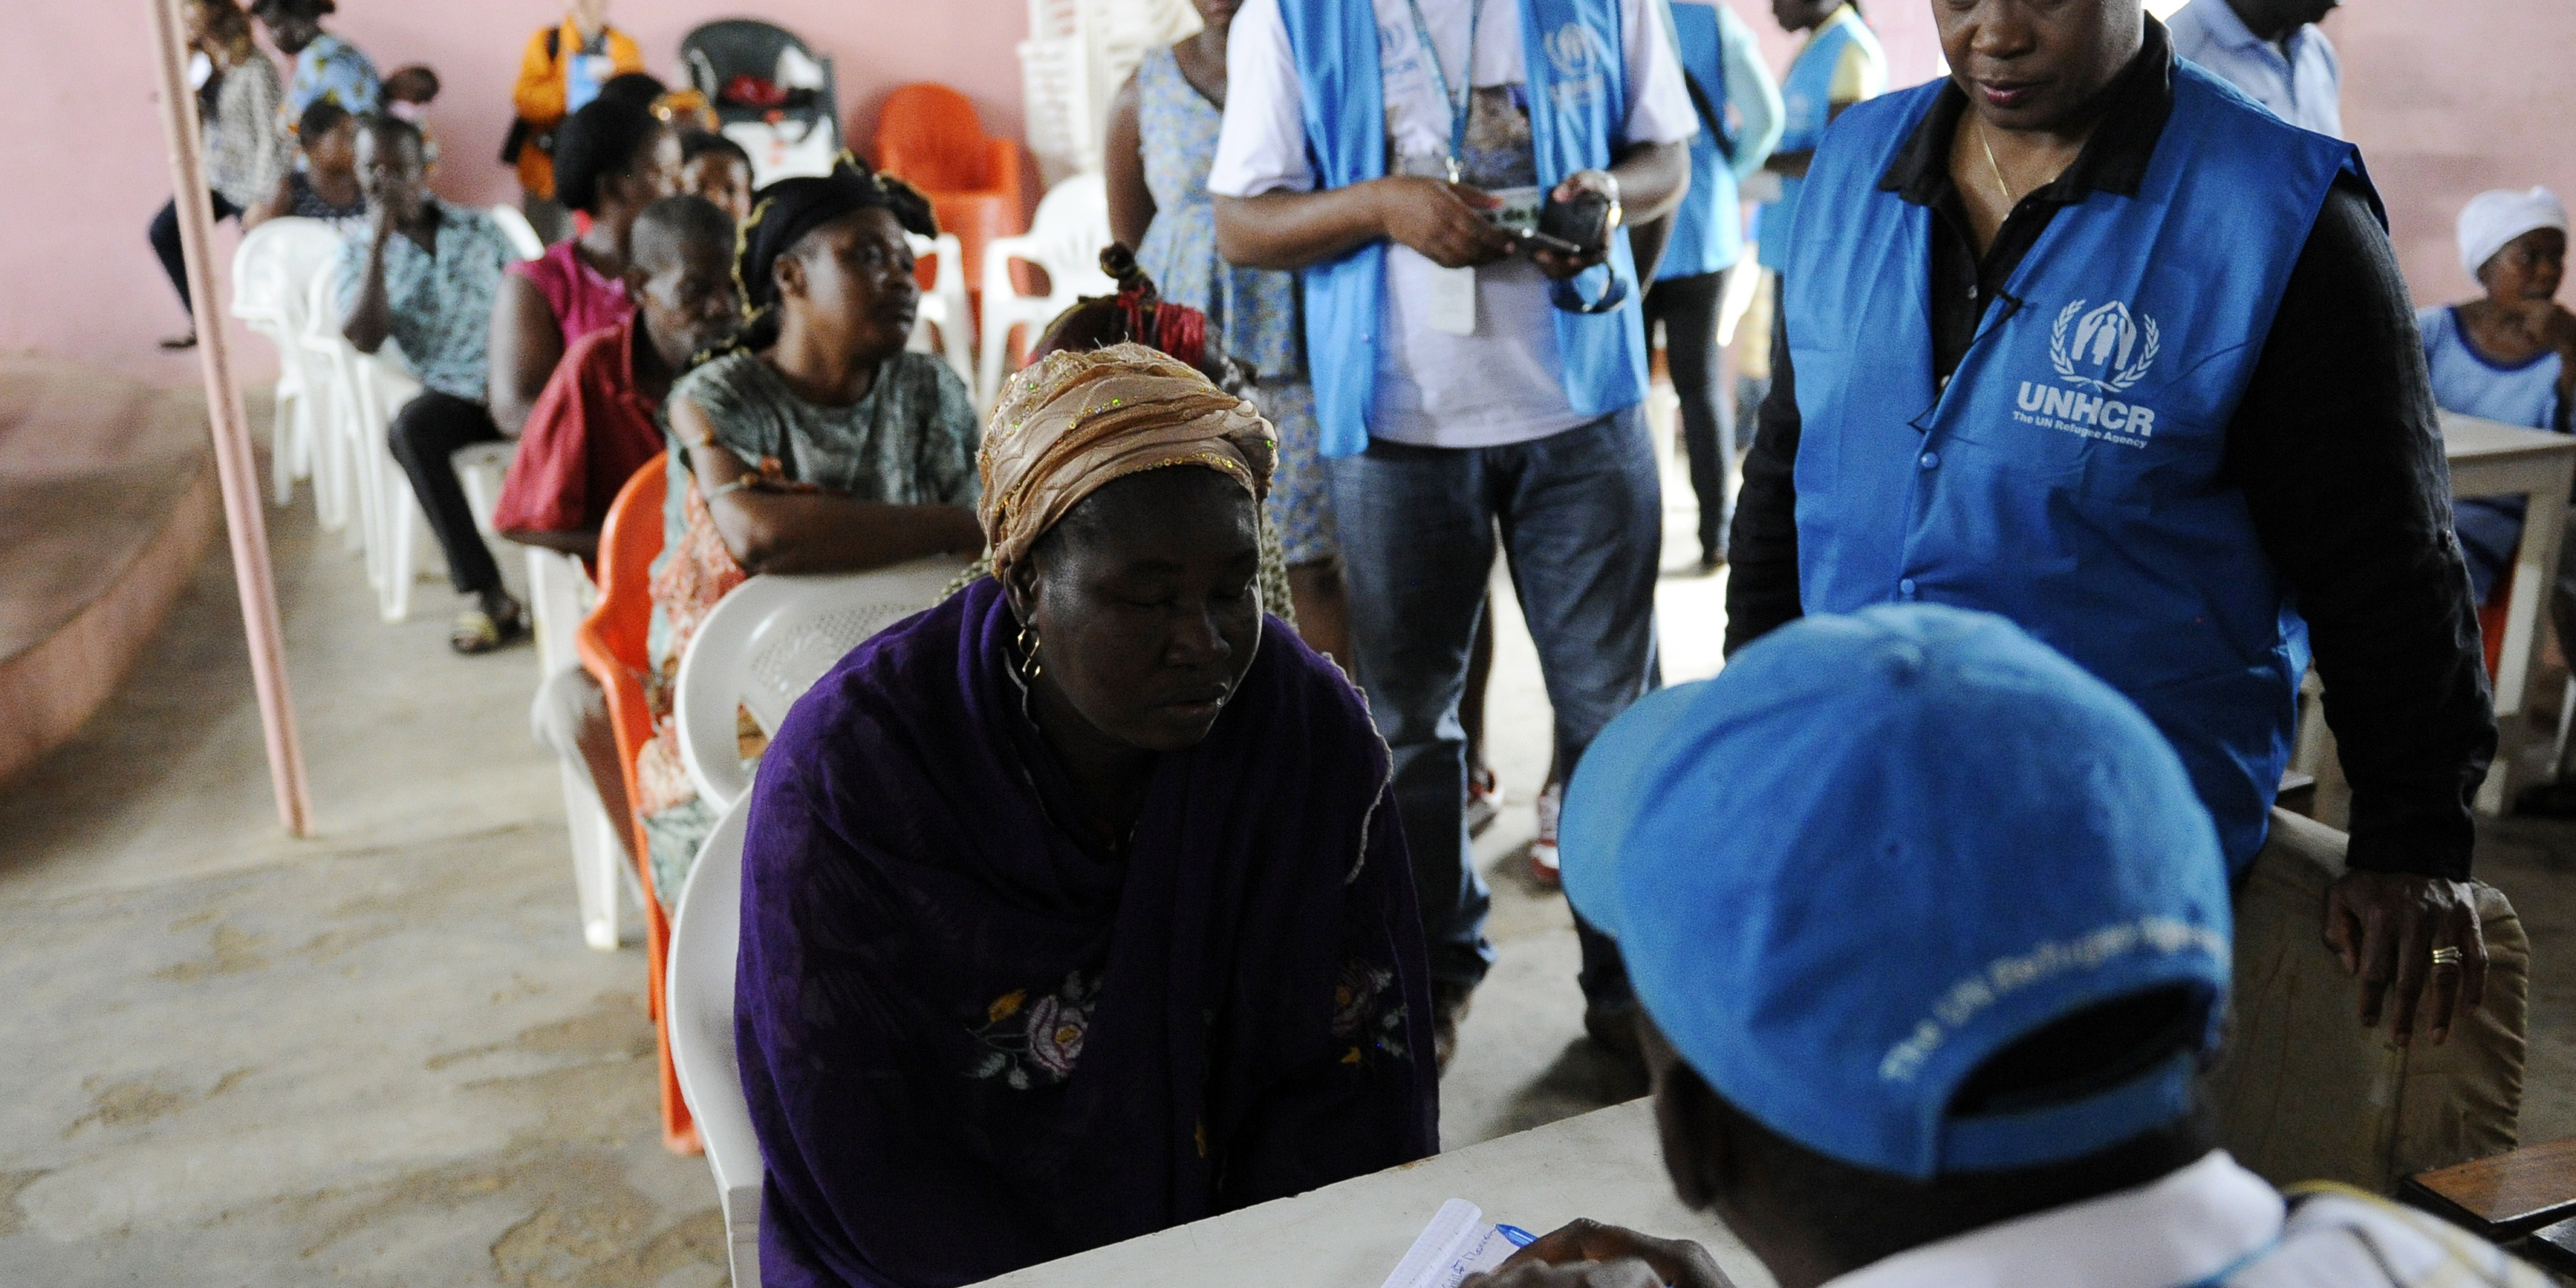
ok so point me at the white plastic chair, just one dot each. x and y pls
(1071, 228)
(521, 234)
(769, 641)
(706, 932)
(342, 420)
(479, 470)
(560, 595)
(944, 307)
(272, 281)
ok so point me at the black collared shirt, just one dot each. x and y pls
(2335, 444)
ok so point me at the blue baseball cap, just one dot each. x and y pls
(1878, 849)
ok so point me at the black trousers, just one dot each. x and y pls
(165, 243)
(428, 431)
(1687, 306)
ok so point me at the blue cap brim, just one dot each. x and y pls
(1602, 800)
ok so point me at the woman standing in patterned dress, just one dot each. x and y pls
(1162, 140)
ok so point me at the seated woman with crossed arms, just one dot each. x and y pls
(1075, 908)
(812, 443)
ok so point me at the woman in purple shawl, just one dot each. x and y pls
(1074, 908)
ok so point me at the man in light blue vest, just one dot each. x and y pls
(1841, 64)
(1464, 382)
(2085, 337)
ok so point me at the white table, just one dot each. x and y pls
(2492, 459)
(1603, 1165)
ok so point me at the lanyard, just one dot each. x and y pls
(1460, 100)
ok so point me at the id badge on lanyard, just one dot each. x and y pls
(1453, 290)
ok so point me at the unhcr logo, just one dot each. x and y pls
(2100, 353)
(1578, 55)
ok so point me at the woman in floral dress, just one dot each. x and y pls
(1162, 140)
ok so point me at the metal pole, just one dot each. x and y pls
(235, 469)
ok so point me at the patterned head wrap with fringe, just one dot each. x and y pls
(1080, 420)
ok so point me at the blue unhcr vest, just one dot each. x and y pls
(1708, 227)
(1806, 108)
(1578, 94)
(2071, 475)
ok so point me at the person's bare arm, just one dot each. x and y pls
(371, 315)
(1131, 203)
(1293, 230)
(527, 342)
(804, 532)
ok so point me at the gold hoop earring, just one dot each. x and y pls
(1030, 667)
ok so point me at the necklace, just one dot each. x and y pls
(2000, 185)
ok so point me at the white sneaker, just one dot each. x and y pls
(1542, 851)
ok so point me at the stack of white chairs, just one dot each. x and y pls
(273, 275)
(944, 309)
(1066, 238)
(768, 641)
(1077, 55)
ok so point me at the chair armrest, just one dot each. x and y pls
(998, 254)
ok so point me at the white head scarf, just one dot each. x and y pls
(2493, 218)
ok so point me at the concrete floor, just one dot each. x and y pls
(383, 1057)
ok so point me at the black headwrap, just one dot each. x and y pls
(785, 211)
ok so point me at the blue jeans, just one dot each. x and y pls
(1581, 520)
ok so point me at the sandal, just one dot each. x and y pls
(477, 631)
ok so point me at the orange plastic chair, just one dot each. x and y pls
(612, 646)
(929, 136)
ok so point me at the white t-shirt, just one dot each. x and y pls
(1506, 382)
(2210, 1222)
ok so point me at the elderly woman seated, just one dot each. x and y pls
(812, 443)
(1074, 908)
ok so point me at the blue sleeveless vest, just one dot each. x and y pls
(1578, 93)
(1708, 227)
(1806, 108)
(2071, 475)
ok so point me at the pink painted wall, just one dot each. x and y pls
(2444, 99)
(86, 173)
(2448, 100)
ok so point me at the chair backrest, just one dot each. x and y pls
(1066, 238)
(769, 641)
(706, 931)
(274, 270)
(522, 234)
(1072, 226)
(2303, 1092)
(931, 136)
(717, 52)
(612, 639)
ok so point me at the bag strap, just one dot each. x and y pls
(1709, 117)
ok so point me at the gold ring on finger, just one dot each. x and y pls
(2446, 958)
